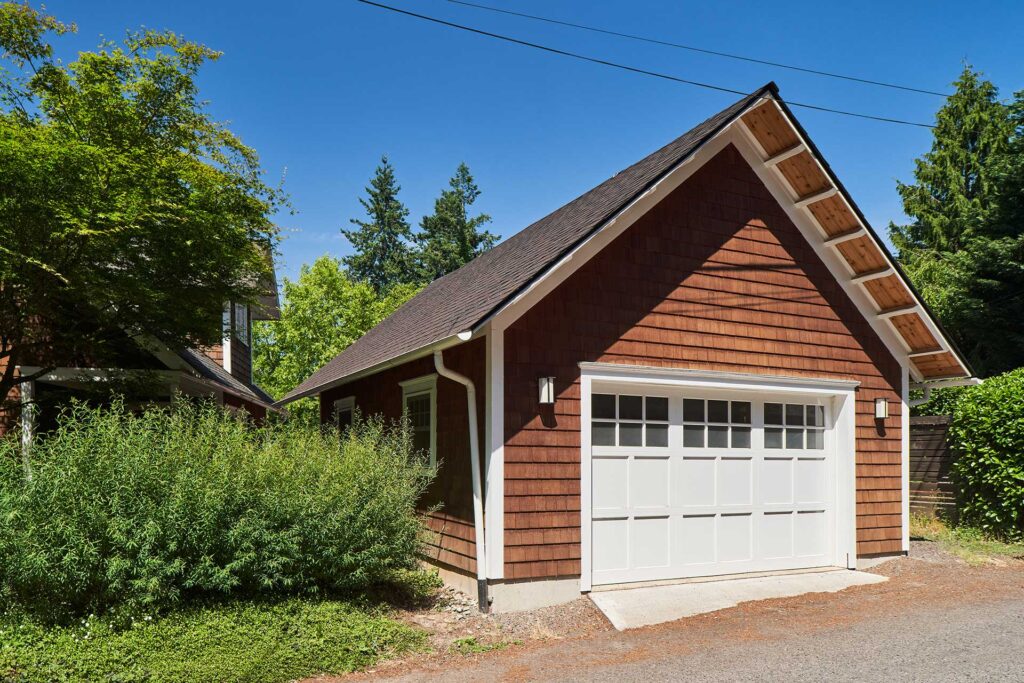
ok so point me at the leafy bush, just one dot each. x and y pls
(988, 430)
(148, 509)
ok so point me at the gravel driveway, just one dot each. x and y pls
(936, 619)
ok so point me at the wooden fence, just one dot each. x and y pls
(931, 458)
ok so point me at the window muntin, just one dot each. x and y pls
(794, 426)
(716, 423)
(629, 420)
(419, 405)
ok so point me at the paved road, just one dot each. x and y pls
(932, 621)
(964, 644)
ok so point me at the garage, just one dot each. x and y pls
(707, 478)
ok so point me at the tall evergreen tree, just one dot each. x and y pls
(960, 250)
(382, 256)
(450, 238)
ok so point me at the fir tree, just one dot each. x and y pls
(963, 249)
(382, 257)
(450, 238)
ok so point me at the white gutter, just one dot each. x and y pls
(474, 462)
(939, 384)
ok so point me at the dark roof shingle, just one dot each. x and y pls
(461, 300)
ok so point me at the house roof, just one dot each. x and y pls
(466, 298)
(211, 370)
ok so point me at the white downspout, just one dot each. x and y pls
(474, 461)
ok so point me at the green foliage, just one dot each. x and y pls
(152, 509)
(123, 204)
(972, 545)
(471, 646)
(243, 642)
(964, 249)
(450, 238)
(941, 402)
(988, 432)
(382, 257)
(322, 313)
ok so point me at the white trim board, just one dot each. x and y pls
(494, 429)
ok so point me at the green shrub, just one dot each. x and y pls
(148, 509)
(988, 431)
(241, 641)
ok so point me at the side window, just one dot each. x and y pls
(419, 404)
(241, 320)
(794, 426)
(343, 411)
(624, 420)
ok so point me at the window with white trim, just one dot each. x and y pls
(794, 426)
(626, 420)
(419, 405)
(343, 411)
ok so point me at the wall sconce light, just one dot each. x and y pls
(881, 408)
(547, 390)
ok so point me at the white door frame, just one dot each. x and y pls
(841, 393)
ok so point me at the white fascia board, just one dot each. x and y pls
(618, 372)
(905, 458)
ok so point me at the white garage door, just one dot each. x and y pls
(698, 484)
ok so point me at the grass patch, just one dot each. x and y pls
(242, 641)
(971, 545)
(472, 646)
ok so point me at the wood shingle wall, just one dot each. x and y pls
(715, 277)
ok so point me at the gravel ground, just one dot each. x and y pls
(936, 619)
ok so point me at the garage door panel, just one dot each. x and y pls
(775, 535)
(693, 482)
(809, 534)
(649, 482)
(693, 540)
(649, 542)
(735, 538)
(611, 537)
(776, 482)
(609, 476)
(735, 481)
(811, 480)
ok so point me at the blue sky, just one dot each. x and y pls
(322, 89)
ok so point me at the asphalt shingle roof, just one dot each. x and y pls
(211, 370)
(462, 299)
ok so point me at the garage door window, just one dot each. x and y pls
(794, 426)
(716, 424)
(626, 420)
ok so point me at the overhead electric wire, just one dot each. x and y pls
(691, 48)
(633, 69)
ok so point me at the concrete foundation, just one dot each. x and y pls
(516, 596)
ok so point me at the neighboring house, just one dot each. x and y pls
(700, 367)
(222, 372)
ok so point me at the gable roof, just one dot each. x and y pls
(462, 300)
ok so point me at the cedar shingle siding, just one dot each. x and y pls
(452, 523)
(715, 277)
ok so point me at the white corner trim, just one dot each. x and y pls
(494, 429)
(586, 494)
(905, 457)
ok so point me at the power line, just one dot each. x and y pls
(692, 48)
(633, 69)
